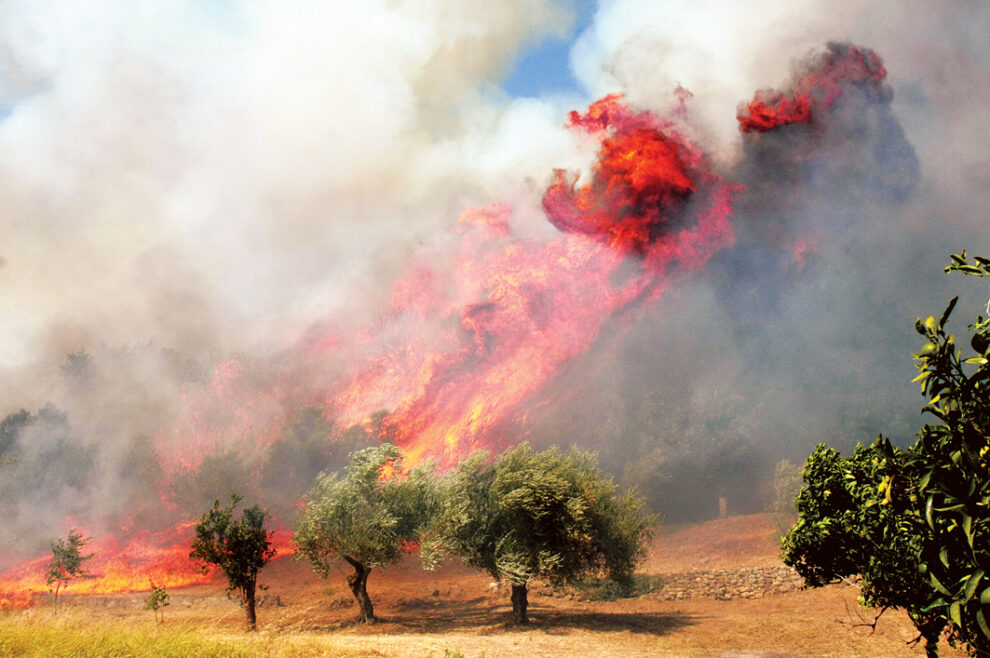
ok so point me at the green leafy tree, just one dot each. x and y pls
(67, 562)
(157, 601)
(364, 515)
(546, 514)
(855, 519)
(239, 547)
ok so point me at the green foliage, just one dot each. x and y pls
(367, 511)
(9, 429)
(543, 514)
(853, 520)
(157, 601)
(239, 547)
(67, 562)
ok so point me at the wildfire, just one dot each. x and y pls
(480, 323)
(469, 340)
(118, 567)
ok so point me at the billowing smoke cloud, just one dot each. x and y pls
(180, 183)
(802, 331)
(189, 194)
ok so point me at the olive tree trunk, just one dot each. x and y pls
(358, 582)
(252, 619)
(520, 602)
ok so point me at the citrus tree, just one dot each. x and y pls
(530, 514)
(364, 515)
(855, 517)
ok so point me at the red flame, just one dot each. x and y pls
(641, 181)
(815, 91)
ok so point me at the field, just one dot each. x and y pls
(715, 589)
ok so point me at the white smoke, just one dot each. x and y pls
(214, 176)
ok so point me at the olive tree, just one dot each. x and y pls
(364, 515)
(67, 562)
(528, 514)
(239, 547)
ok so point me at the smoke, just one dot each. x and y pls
(190, 192)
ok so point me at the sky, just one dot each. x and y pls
(544, 68)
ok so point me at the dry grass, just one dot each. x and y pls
(455, 612)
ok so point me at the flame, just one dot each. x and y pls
(815, 91)
(515, 312)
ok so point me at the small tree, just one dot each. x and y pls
(67, 562)
(538, 515)
(239, 548)
(854, 519)
(364, 515)
(157, 601)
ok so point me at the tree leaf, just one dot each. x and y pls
(982, 622)
(971, 585)
(937, 584)
(948, 311)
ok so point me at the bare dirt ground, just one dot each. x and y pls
(459, 610)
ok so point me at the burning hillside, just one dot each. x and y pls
(480, 334)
